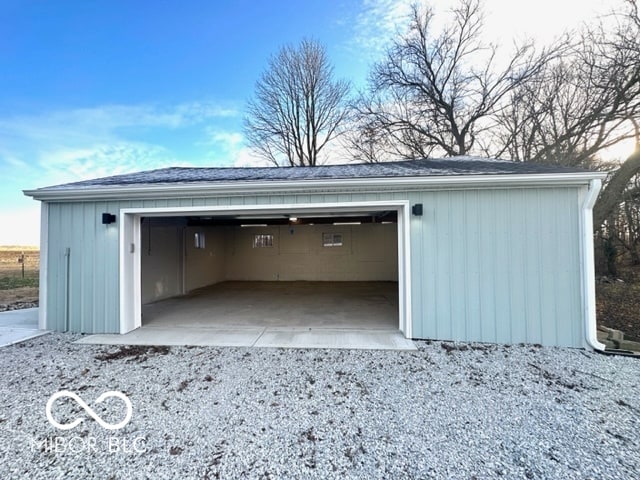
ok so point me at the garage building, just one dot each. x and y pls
(463, 249)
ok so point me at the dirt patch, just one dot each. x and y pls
(618, 306)
(22, 295)
(139, 353)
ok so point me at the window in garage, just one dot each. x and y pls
(199, 241)
(262, 241)
(331, 239)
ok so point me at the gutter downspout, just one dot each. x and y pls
(588, 265)
(67, 289)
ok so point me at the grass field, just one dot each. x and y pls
(14, 287)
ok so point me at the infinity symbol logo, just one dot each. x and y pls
(79, 401)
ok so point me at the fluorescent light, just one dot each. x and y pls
(347, 223)
(255, 225)
(260, 217)
(293, 219)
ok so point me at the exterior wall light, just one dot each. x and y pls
(108, 218)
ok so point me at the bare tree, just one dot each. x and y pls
(439, 92)
(579, 105)
(576, 108)
(623, 52)
(590, 101)
(298, 107)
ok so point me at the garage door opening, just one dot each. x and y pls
(341, 268)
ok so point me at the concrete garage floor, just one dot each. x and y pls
(360, 315)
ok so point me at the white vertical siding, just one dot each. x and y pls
(498, 266)
(92, 275)
(491, 265)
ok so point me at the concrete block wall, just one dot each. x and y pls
(172, 265)
(369, 252)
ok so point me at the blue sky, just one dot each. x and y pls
(97, 88)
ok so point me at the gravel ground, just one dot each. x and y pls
(444, 411)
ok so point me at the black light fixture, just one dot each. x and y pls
(417, 209)
(108, 218)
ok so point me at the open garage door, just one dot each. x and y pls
(339, 266)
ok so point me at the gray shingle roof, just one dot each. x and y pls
(456, 166)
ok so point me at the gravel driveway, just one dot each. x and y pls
(444, 411)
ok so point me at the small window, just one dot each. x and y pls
(263, 241)
(198, 240)
(331, 239)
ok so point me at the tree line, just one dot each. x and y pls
(445, 91)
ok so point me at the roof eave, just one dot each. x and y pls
(196, 189)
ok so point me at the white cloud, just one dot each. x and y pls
(378, 22)
(67, 145)
(227, 141)
(229, 149)
(246, 158)
(101, 160)
(104, 122)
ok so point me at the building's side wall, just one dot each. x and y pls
(494, 265)
(498, 266)
(83, 268)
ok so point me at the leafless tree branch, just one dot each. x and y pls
(298, 108)
(439, 92)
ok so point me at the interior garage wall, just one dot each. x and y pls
(161, 261)
(369, 252)
(204, 266)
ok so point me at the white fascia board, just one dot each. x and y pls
(172, 190)
(287, 208)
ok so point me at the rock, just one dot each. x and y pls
(17, 306)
